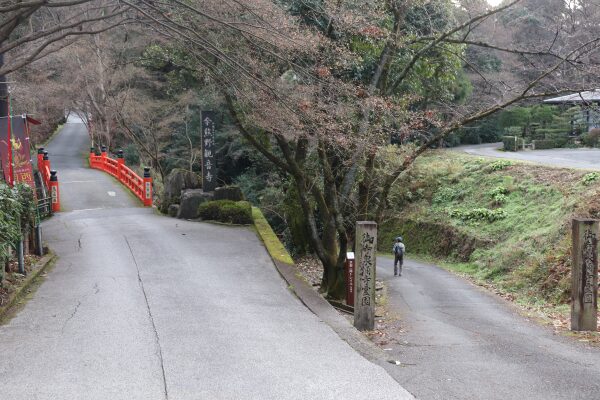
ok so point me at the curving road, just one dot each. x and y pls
(141, 306)
(564, 158)
(463, 343)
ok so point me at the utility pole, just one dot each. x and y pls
(4, 109)
(5, 113)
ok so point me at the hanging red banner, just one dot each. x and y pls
(23, 169)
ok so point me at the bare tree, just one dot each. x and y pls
(318, 89)
(31, 30)
(290, 82)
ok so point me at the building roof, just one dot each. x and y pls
(580, 97)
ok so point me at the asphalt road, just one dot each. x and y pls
(141, 306)
(462, 342)
(565, 158)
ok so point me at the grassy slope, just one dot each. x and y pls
(527, 252)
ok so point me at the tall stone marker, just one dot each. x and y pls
(364, 282)
(209, 168)
(584, 273)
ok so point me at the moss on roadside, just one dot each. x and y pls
(270, 239)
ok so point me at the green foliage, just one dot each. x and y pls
(239, 212)
(478, 215)
(173, 63)
(446, 195)
(427, 237)
(485, 131)
(591, 138)
(590, 178)
(437, 74)
(499, 194)
(10, 217)
(547, 125)
(17, 215)
(498, 190)
(525, 247)
(517, 116)
(512, 143)
(488, 62)
(131, 155)
(309, 11)
(233, 212)
(499, 165)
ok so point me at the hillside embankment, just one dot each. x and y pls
(500, 222)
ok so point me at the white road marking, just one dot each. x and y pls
(111, 194)
(62, 182)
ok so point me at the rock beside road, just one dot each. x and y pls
(173, 210)
(190, 200)
(178, 180)
(233, 193)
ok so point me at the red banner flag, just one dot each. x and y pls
(23, 170)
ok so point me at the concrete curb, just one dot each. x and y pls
(14, 297)
(325, 311)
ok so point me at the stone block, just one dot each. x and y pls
(233, 193)
(190, 200)
(173, 210)
(178, 180)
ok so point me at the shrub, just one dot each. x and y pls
(499, 198)
(498, 190)
(498, 194)
(131, 155)
(17, 216)
(591, 138)
(545, 144)
(590, 178)
(238, 213)
(211, 210)
(499, 165)
(446, 195)
(233, 212)
(478, 215)
(512, 143)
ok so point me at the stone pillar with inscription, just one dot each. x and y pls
(584, 275)
(209, 168)
(364, 275)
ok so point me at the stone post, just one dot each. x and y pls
(364, 282)
(584, 275)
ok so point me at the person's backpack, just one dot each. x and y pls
(398, 249)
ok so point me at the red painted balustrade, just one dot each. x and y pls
(140, 186)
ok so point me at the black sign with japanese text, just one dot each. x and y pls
(209, 168)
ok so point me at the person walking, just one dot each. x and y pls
(398, 251)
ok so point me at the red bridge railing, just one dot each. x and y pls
(140, 186)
